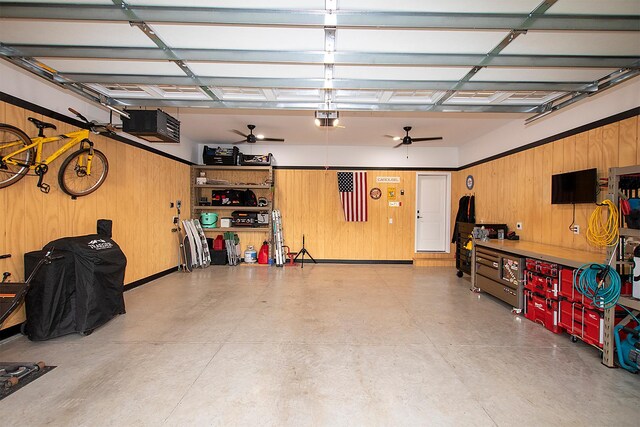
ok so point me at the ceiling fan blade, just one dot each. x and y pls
(239, 142)
(396, 138)
(272, 139)
(239, 133)
(398, 145)
(434, 138)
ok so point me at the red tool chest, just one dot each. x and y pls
(542, 310)
(543, 285)
(542, 278)
(582, 322)
(568, 291)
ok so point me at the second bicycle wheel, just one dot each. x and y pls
(74, 178)
(11, 140)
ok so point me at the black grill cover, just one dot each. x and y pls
(77, 293)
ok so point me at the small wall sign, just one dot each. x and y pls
(375, 193)
(470, 182)
(388, 179)
(395, 204)
(391, 193)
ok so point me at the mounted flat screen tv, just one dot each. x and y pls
(574, 187)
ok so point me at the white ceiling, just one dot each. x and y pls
(271, 67)
(215, 127)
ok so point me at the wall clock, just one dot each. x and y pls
(375, 193)
(470, 182)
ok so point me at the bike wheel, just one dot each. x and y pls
(73, 177)
(12, 139)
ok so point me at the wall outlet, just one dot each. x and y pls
(519, 225)
(390, 220)
(575, 229)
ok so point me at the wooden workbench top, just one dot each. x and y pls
(556, 254)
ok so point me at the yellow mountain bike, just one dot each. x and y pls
(81, 173)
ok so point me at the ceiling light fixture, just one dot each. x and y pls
(327, 118)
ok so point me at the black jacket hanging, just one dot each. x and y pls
(462, 215)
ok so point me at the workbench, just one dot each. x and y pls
(556, 254)
(568, 257)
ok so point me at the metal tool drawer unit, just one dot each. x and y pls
(501, 275)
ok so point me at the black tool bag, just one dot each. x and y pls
(78, 293)
(227, 197)
(249, 198)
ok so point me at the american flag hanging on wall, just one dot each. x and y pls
(352, 187)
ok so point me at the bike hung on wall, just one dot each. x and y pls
(81, 173)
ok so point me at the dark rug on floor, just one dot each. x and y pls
(30, 377)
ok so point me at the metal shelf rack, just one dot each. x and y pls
(608, 350)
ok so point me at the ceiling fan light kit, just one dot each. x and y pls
(251, 138)
(407, 140)
(327, 118)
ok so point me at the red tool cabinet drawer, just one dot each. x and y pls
(543, 285)
(582, 322)
(567, 290)
(542, 310)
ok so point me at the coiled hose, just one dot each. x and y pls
(598, 282)
(603, 233)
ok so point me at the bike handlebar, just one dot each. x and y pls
(80, 116)
(94, 126)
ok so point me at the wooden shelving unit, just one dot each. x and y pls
(232, 187)
(237, 229)
(233, 208)
(256, 178)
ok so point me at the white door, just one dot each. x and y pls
(433, 207)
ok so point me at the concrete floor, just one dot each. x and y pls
(327, 345)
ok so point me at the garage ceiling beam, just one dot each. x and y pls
(341, 106)
(318, 57)
(135, 21)
(318, 18)
(319, 83)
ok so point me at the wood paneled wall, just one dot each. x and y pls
(310, 205)
(517, 188)
(136, 196)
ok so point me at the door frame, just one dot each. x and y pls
(447, 233)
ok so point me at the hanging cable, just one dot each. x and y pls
(601, 232)
(599, 282)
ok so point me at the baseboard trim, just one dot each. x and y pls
(356, 261)
(148, 279)
(9, 332)
(434, 262)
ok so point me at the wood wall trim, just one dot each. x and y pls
(364, 168)
(575, 131)
(10, 99)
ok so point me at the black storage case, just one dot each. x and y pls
(77, 293)
(219, 257)
(220, 156)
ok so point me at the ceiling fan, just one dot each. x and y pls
(407, 140)
(251, 138)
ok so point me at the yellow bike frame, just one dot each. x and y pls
(37, 142)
